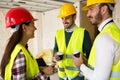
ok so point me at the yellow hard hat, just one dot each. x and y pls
(66, 10)
(92, 2)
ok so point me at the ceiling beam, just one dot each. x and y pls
(35, 5)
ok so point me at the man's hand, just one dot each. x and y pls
(78, 60)
(57, 58)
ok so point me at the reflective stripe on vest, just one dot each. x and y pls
(61, 69)
(68, 56)
(72, 68)
(69, 68)
(115, 75)
(75, 43)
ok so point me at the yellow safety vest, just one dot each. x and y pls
(32, 68)
(66, 66)
(114, 32)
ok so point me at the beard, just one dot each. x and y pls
(97, 19)
(68, 25)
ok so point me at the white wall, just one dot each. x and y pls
(50, 24)
(35, 44)
(77, 5)
(4, 33)
(116, 13)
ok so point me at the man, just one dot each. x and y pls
(104, 59)
(68, 40)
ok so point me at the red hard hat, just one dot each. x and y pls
(17, 15)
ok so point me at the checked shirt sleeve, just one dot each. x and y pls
(19, 69)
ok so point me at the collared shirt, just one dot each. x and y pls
(87, 43)
(19, 69)
(71, 29)
(102, 25)
(107, 54)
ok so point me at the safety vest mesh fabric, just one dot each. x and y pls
(32, 68)
(114, 32)
(66, 66)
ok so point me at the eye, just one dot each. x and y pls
(91, 9)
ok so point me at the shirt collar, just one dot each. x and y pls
(103, 24)
(71, 29)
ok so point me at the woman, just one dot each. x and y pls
(18, 63)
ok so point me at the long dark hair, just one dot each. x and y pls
(13, 41)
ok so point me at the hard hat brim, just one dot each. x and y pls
(35, 19)
(59, 16)
(85, 8)
(21, 22)
(97, 2)
(63, 16)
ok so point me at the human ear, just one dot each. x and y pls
(74, 17)
(24, 27)
(103, 9)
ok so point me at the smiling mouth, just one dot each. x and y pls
(65, 24)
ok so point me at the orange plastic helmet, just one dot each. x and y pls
(92, 2)
(66, 10)
(17, 15)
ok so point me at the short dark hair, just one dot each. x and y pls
(110, 7)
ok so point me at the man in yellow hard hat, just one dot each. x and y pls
(68, 40)
(104, 59)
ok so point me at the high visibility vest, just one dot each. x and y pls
(66, 66)
(32, 68)
(114, 32)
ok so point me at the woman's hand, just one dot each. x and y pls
(49, 70)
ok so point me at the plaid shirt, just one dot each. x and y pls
(19, 69)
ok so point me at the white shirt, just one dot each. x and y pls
(71, 29)
(107, 53)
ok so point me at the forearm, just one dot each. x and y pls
(87, 72)
(103, 61)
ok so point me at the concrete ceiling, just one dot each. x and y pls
(35, 5)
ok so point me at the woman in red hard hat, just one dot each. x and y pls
(18, 63)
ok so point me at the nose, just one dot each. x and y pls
(35, 28)
(88, 13)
